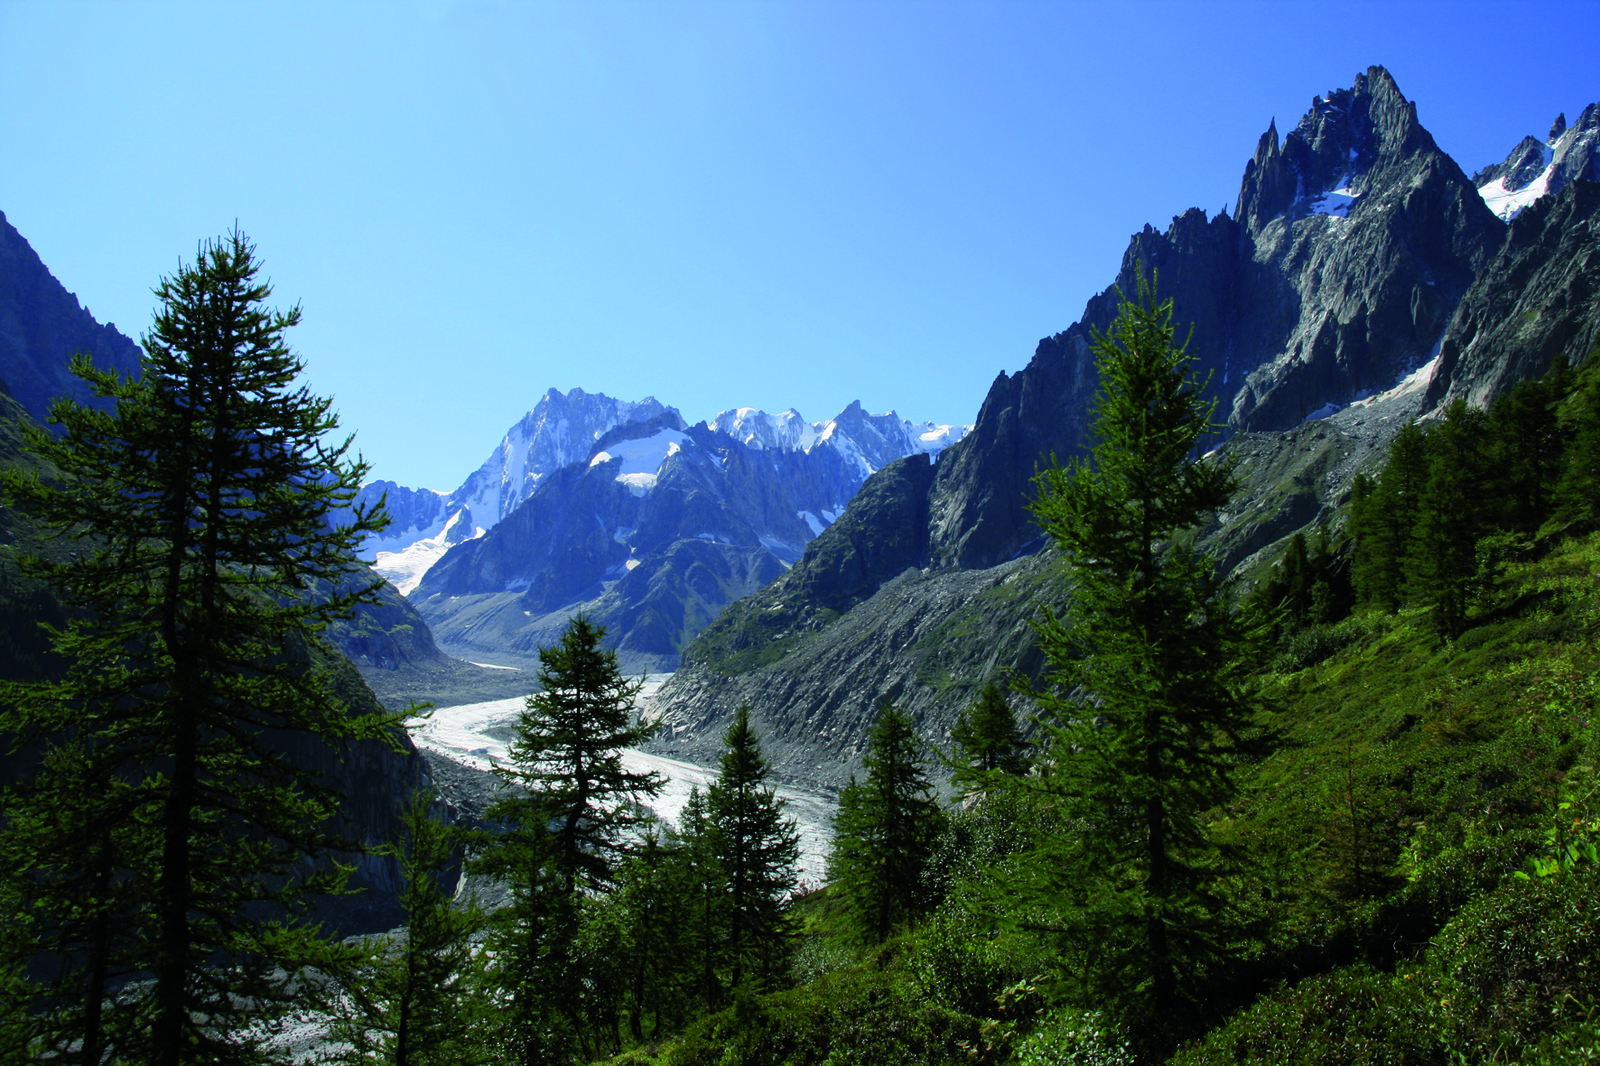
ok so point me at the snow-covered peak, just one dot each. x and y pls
(638, 438)
(560, 430)
(755, 428)
(868, 441)
(1536, 168)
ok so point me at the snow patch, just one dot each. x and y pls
(1329, 408)
(638, 484)
(1336, 202)
(642, 456)
(405, 568)
(630, 564)
(811, 520)
(1509, 203)
(1415, 381)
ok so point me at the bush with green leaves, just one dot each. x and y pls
(1070, 1037)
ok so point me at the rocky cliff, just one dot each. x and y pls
(42, 326)
(1361, 281)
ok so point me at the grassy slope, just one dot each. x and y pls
(1414, 780)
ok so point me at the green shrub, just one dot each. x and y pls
(961, 963)
(855, 1016)
(1075, 1038)
(1577, 1045)
(1527, 955)
(1351, 1015)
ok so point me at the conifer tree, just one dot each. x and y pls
(653, 906)
(200, 507)
(414, 1001)
(985, 742)
(706, 889)
(885, 829)
(1451, 515)
(1578, 490)
(1384, 519)
(568, 813)
(1137, 876)
(1528, 450)
(758, 848)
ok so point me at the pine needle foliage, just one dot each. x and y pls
(1149, 716)
(199, 510)
(758, 849)
(414, 1000)
(885, 830)
(569, 813)
(985, 742)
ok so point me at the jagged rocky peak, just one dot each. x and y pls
(1543, 168)
(42, 325)
(1349, 138)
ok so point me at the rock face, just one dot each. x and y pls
(42, 326)
(1538, 299)
(1362, 281)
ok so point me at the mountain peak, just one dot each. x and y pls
(1347, 140)
(1557, 128)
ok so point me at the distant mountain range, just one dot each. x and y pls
(625, 512)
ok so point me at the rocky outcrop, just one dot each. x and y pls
(1368, 235)
(1536, 169)
(42, 326)
(1539, 299)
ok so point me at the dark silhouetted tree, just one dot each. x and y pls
(757, 848)
(200, 505)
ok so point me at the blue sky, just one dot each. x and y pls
(758, 203)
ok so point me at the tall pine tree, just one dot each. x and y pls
(201, 508)
(884, 830)
(758, 848)
(1137, 878)
(569, 813)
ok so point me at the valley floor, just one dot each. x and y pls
(463, 743)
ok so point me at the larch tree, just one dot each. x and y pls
(199, 507)
(758, 848)
(413, 1000)
(570, 811)
(986, 743)
(1143, 687)
(885, 829)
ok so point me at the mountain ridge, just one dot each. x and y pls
(1350, 292)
